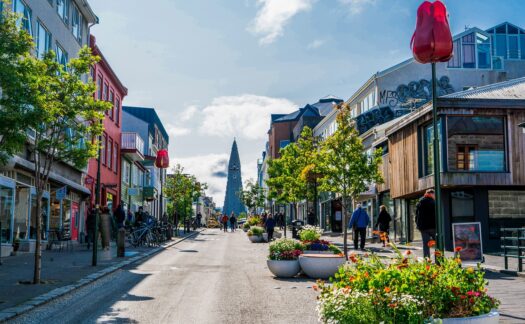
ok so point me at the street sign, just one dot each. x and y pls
(61, 193)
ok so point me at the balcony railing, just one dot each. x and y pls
(132, 145)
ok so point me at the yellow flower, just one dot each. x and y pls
(470, 270)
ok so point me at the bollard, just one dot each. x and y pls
(121, 238)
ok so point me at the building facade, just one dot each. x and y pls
(111, 89)
(62, 26)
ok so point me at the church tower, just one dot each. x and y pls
(232, 202)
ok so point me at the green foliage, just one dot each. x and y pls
(256, 231)
(285, 249)
(335, 249)
(246, 226)
(182, 190)
(254, 220)
(310, 233)
(405, 290)
(252, 196)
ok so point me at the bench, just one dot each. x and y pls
(513, 246)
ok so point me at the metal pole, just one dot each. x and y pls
(0, 243)
(97, 207)
(440, 234)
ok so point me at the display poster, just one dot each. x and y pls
(338, 215)
(467, 237)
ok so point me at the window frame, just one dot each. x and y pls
(103, 148)
(109, 153)
(476, 54)
(111, 98)
(76, 13)
(48, 42)
(64, 16)
(468, 148)
(115, 157)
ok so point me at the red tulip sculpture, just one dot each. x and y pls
(432, 40)
(163, 160)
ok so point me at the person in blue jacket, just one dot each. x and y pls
(359, 222)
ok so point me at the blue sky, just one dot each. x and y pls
(216, 69)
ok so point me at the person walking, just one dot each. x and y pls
(224, 221)
(426, 219)
(199, 220)
(129, 217)
(232, 222)
(120, 216)
(383, 224)
(281, 220)
(359, 222)
(139, 216)
(311, 217)
(90, 227)
(270, 227)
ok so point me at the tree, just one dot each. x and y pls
(16, 72)
(65, 114)
(349, 169)
(252, 196)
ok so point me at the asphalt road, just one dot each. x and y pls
(214, 277)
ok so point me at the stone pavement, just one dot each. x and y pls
(59, 269)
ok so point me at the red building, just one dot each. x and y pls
(109, 88)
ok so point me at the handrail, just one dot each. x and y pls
(515, 244)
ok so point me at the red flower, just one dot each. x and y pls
(387, 289)
(408, 252)
(431, 243)
(438, 253)
(458, 249)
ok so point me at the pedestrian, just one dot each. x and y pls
(129, 217)
(426, 219)
(383, 224)
(359, 222)
(199, 219)
(311, 217)
(281, 220)
(120, 216)
(139, 216)
(232, 221)
(264, 217)
(224, 221)
(270, 227)
(90, 226)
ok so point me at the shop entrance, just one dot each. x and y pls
(75, 215)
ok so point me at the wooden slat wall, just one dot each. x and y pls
(516, 142)
(403, 161)
(385, 171)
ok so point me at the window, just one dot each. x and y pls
(484, 56)
(103, 149)
(99, 87)
(476, 143)
(283, 144)
(76, 23)
(134, 172)
(125, 172)
(43, 40)
(112, 100)
(462, 206)
(61, 55)
(109, 152)
(117, 111)
(455, 61)
(513, 47)
(105, 92)
(469, 52)
(115, 157)
(22, 9)
(63, 9)
(427, 150)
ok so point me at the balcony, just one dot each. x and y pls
(132, 146)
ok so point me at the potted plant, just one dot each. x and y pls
(246, 227)
(255, 234)
(407, 290)
(283, 257)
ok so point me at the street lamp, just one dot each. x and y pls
(97, 206)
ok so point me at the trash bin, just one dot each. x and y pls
(297, 225)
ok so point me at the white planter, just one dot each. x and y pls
(320, 266)
(255, 238)
(245, 229)
(265, 237)
(318, 252)
(490, 318)
(284, 268)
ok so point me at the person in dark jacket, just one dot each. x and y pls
(311, 217)
(383, 224)
(426, 219)
(120, 216)
(90, 226)
(359, 222)
(270, 226)
(233, 220)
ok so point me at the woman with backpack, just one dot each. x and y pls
(383, 224)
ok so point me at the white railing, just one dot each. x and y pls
(132, 141)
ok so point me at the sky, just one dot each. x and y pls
(216, 69)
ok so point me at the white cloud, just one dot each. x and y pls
(188, 113)
(316, 44)
(273, 15)
(245, 116)
(356, 6)
(177, 130)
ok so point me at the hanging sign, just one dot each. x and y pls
(61, 193)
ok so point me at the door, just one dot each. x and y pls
(75, 215)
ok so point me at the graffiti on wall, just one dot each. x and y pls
(374, 117)
(414, 94)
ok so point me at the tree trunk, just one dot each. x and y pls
(38, 250)
(345, 226)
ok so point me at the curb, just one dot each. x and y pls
(10, 313)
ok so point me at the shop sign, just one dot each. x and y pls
(133, 191)
(149, 193)
(61, 193)
(467, 236)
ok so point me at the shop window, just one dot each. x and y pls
(21, 228)
(476, 144)
(43, 218)
(462, 206)
(66, 217)
(427, 149)
(6, 210)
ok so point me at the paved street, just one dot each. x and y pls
(215, 277)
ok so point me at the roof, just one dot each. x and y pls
(87, 11)
(148, 115)
(326, 105)
(512, 89)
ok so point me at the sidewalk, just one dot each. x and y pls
(492, 262)
(59, 269)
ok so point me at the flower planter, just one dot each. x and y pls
(255, 238)
(320, 266)
(284, 268)
(318, 252)
(245, 229)
(265, 237)
(490, 318)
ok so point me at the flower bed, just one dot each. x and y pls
(282, 259)
(404, 290)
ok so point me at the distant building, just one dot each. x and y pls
(232, 200)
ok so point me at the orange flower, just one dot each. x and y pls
(352, 258)
(376, 232)
(408, 252)
(387, 289)
(438, 253)
(315, 287)
(458, 249)
(431, 243)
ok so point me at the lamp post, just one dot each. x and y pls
(97, 206)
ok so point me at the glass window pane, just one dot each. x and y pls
(455, 61)
(469, 56)
(6, 206)
(522, 46)
(21, 228)
(512, 30)
(501, 46)
(484, 58)
(513, 47)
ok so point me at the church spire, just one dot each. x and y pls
(232, 201)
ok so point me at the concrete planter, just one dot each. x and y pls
(318, 252)
(490, 318)
(284, 268)
(255, 238)
(320, 266)
(265, 237)
(245, 229)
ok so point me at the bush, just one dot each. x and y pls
(404, 291)
(254, 221)
(310, 233)
(285, 249)
(246, 225)
(256, 230)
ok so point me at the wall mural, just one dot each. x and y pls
(404, 99)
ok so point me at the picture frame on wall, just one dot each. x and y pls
(467, 236)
